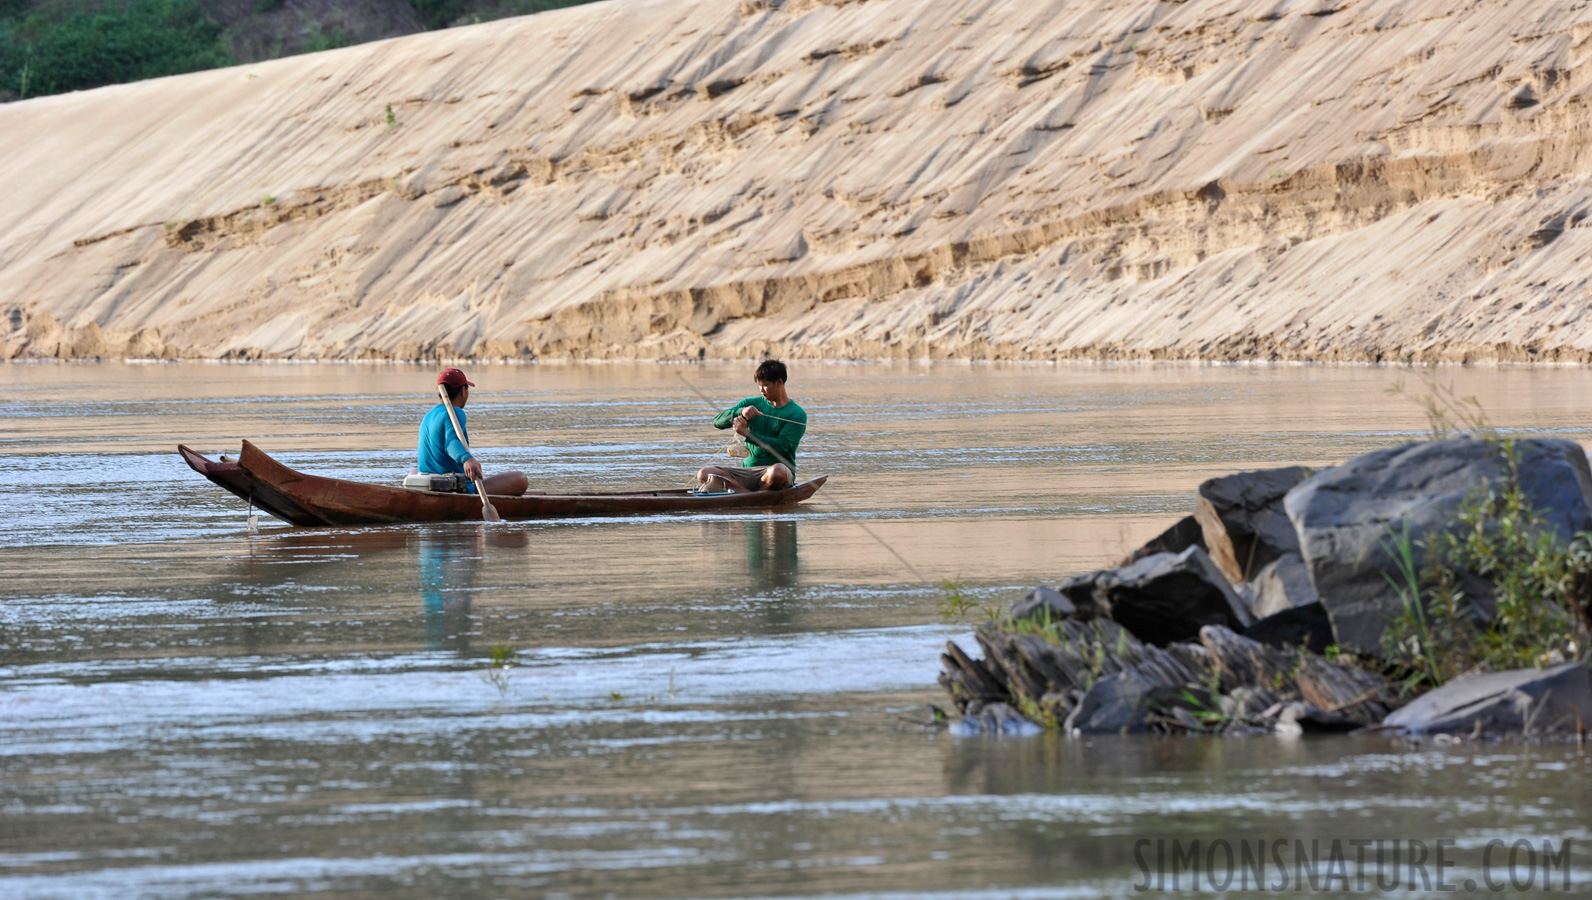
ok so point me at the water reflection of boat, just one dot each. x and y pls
(448, 564)
(771, 549)
(450, 560)
(771, 553)
(301, 499)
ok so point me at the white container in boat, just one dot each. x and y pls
(425, 481)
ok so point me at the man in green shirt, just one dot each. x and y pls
(773, 425)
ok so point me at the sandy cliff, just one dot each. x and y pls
(1310, 179)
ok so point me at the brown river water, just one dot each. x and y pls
(719, 706)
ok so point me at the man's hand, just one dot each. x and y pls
(740, 426)
(749, 413)
(472, 469)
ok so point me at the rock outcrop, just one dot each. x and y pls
(1377, 180)
(1053, 666)
(1131, 701)
(1114, 651)
(1243, 522)
(1524, 701)
(1184, 533)
(1282, 584)
(1169, 597)
(1045, 603)
(1095, 678)
(1299, 626)
(1349, 516)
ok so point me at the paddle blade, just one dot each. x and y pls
(489, 512)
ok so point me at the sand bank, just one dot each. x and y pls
(1318, 180)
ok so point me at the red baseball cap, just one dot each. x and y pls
(454, 378)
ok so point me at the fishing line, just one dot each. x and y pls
(835, 503)
(726, 451)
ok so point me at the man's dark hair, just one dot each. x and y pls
(770, 371)
(453, 391)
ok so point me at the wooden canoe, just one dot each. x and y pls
(301, 499)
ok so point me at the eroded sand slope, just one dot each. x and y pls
(1315, 179)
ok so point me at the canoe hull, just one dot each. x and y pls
(312, 500)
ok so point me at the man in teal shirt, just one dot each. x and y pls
(442, 451)
(773, 425)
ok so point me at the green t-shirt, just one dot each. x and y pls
(775, 440)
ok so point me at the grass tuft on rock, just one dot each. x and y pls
(1538, 585)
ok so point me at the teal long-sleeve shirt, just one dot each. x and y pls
(440, 450)
(776, 440)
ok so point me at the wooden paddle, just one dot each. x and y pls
(488, 511)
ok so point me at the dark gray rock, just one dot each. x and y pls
(1283, 583)
(1060, 666)
(1116, 704)
(969, 680)
(1135, 700)
(1524, 701)
(1343, 517)
(1300, 626)
(1042, 602)
(1181, 536)
(1243, 520)
(1168, 597)
(994, 719)
(1073, 598)
(1081, 591)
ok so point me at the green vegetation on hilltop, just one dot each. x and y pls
(62, 46)
(54, 46)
